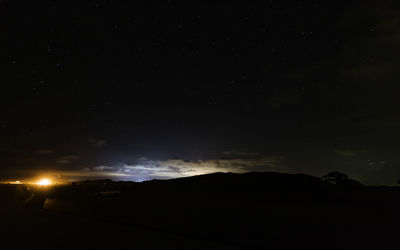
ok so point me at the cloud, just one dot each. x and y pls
(44, 152)
(368, 68)
(89, 174)
(146, 169)
(239, 153)
(68, 159)
(346, 153)
(98, 143)
(103, 168)
(371, 55)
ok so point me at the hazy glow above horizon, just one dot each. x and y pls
(44, 182)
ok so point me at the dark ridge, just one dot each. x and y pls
(252, 181)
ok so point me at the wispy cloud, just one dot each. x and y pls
(346, 153)
(44, 151)
(146, 169)
(103, 168)
(240, 153)
(373, 56)
(98, 143)
(68, 159)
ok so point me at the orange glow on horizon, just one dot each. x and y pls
(44, 182)
(13, 182)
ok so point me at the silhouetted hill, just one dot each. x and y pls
(264, 185)
(225, 210)
(247, 182)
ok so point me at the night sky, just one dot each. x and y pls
(136, 90)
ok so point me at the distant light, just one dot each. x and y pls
(44, 182)
(14, 182)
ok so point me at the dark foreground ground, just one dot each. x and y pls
(218, 211)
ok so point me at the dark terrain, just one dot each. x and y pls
(216, 211)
